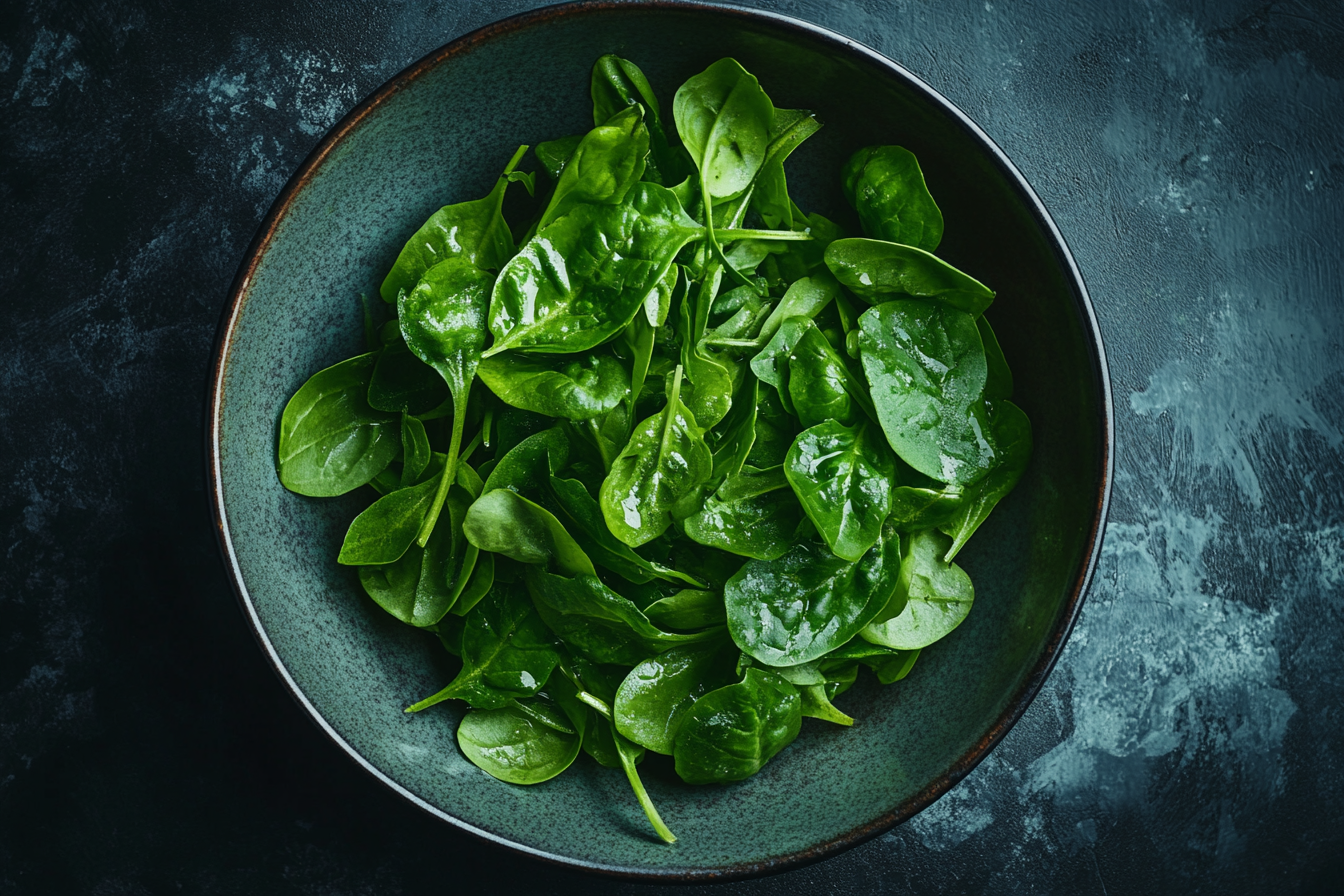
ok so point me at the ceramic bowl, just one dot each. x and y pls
(439, 133)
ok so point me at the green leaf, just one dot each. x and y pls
(402, 382)
(388, 526)
(931, 599)
(754, 514)
(879, 271)
(554, 155)
(771, 364)
(730, 733)
(507, 653)
(656, 695)
(808, 602)
(513, 745)
(926, 367)
(723, 117)
(915, 509)
(842, 476)
(331, 441)
(819, 383)
(803, 299)
(1012, 434)
(817, 705)
(576, 387)
(999, 379)
(687, 610)
(886, 187)
(504, 522)
(474, 231)
(528, 465)
(608, 161)
(581, 280)
(617, 83)
(598, 622)
(664, 461)
(415, 450)
(789, 128)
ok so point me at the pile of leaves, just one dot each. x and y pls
(721, 455)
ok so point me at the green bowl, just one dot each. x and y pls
(439, 132)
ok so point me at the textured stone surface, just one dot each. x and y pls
(1188, 740)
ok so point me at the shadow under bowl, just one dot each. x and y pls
(440, 132)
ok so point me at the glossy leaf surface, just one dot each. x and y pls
(730, 733)
(880, 271)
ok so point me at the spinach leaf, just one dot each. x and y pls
(598, 622)
(575, 387)
(926, 366)
(842, 476)
(474, 231)
(820, 385)
(504, 522)
(665, 460)
(886, 187)
(555, 154)
(737, 432)
(507, 653)
(512, 744)
(629, 754)
(998, 379)
(730, 733)
(775, 431)
(804, 298)
(608, 161)
(656, 695)
(752, 514)
(932, 596)
(687, 610)
(423, 584)
(803, 605)
(618, 83)
(817, 705)
(580, 281)
(1012, 434)
(387, 527)
(443, 323)
(914, 509)
(528, 464)
(788, 129)
(771, 364)
(479, 583)
(402, 382)
(723, 117)
(331, 441)
(583, 516)
(879, 271)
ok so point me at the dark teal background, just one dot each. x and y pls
(1190, 738)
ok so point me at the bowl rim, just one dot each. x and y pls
(1026, 690)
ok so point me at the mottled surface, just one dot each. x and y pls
(1189, 738)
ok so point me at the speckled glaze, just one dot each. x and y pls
(439, 133)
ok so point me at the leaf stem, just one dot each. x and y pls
(750, 233)
(596, 703)
(449, 471)
(631, 773)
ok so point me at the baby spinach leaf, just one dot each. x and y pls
(575, 387)
(915, 509)
(819, 383)
(687, 610)
(583, 517)
(723, 117)
(422, 585)
(507, 653)
(737, 432)
(511, 744)
(415, 449)
(528, 464)
(999, 379)
(388, 526)
(443, 323)
(932, 596)
(771, 364)
(656, 695)
(331, 441)
(730, 733)
(474, 231)
(808, 602)
(402, 382)
(665, 460)
(617, 83)
(804, 298)
(479, 583)
(580, 281)
(1012, 435)
(598, 622)
(504, 522)
(608, 161)
(926, 366)
(775, 431)
(753, 515)
(886, 187)
(879, 271)
(842, 477)
(555, 154)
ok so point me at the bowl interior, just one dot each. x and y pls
(439, 134)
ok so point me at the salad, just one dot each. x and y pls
(664, 459)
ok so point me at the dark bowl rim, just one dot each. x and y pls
(1026, 690)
